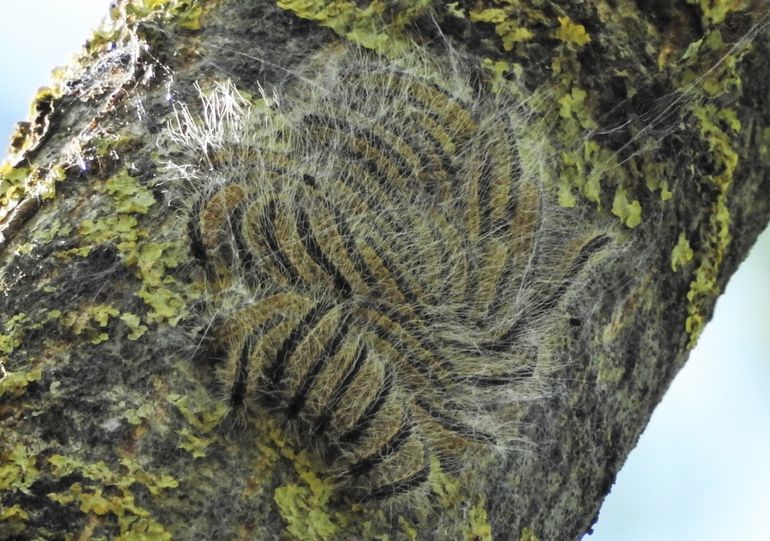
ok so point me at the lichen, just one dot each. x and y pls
(681, 254)
(304, 507)
(150, 260)
(134, 324)
(129, 197)
(527, 534)
(508, 29)
(105, 491)
(629, 212)
(378, 26)
(18, 472)
(572, 32)
(18, 183)
(714, 11)
(18, 468)
(479, 528)
(82, 320)
(14, 327)
(717, 127)
(187, 15)
(166, 297)
(201, 417)
(13, 186)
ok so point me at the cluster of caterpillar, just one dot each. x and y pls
(383, 263)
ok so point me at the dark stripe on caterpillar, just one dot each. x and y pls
(391, 447)
(401, 486)
(268, 228)
(322, 423)
(274, 373)
(315, 252)
(355, 432)
(453, 425)
(197, 248)
(330, 350)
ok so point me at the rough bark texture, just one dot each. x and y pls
(111, 427)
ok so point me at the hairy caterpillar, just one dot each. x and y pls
(380, 268)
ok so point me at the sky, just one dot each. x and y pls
(701, 470)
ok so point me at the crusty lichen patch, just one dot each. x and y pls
(528, 535)
(105, 492)
(714, 11)
(682, 253)
(718, 127)
(376, 25)
(183, 14)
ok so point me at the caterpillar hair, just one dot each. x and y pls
(385, 267)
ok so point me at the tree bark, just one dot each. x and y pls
(655, 117)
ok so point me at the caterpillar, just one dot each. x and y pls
(383, 264)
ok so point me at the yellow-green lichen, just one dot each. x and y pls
(195, 445)
(18, 468)
(121, 230)
(710, 69)
(377, 25)
(302, 518)
(445, 487)
(201, 415)
(715, 11)
(129, 197)
(28, 134)
(584, 169)
(13, 513)
(165, 304)
(166, 298)
(153, 259)
(565, 197)
(136, 416)
(629, 212)
(54, 230)
(188, 14)
(451, 493)
(18, 471)
(13, 186)
(184, 13)
(108, 492)
(133, 322)
(304, 507)
(527, 534)
(90, 321)
(14, 384)
(573, 105)
(498, 70)
(479, 528)
(204, 415)
(572, 32)
(14, 330)
(681, 254)
(716, 127)
(506, 27)
(19, 181)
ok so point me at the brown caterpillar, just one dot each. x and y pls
(383, 265)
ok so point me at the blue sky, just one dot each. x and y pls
(701, 470)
